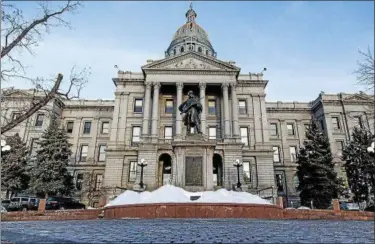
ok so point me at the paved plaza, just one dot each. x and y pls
(189, 231)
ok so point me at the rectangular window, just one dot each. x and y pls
(98, 182)
(212, 133)
(138, 105)
(79, 181)
(33, 146)
(83, 153)
(290, 128)
(244, 136)
(105, 128)
(242, 106)
(87, 127)
(192, 130)
(168, 132)
(293, 153)
(336, 123)
(273, 129)
(169, 106)
(39, 120)
(358, 121)
(212, 107)
(339, 146)
(276, 154)
(247, 172)
(321, 124)
(101, 156)
(280, 182)
(132, 171)
(136, 135)
(69, 127)
(15, 115)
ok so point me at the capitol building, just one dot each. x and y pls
(109, 137)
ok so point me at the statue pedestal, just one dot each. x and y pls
(195, 137)
(193, 165)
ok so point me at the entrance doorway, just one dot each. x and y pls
(217, 170)
(165, 169)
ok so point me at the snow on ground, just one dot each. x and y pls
(173, 194)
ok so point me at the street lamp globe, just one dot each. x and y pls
(142, 162)
(237, 163)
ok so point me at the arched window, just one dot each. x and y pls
(174, 51)
(199, 49)
(182, 49)
(206, 52)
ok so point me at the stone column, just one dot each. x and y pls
(123, 116)
(146, 111)
(155, 111)
(202, 96)
(235, 125)
(180, 86)
(226, 111)
(115, 120)
(300, 132)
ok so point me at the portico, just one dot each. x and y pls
(155, 117)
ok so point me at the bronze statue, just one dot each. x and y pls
(191, 109)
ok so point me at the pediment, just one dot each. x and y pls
(359, 97)
(191, 61)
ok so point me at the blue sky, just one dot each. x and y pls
(307, 47)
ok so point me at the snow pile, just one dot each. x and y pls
(173, 194)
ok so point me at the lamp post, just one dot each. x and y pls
(4, 146)
(238, 164)
(142, 164)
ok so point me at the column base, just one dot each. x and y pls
(177, 138)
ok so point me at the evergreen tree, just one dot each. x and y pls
(49, 174)
(318, 181)
(359, 164)
(14, 177)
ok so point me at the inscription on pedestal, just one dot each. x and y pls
(193, 171)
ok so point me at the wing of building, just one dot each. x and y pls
(143, 122)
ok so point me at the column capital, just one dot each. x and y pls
(224, 86)
(202, 85)
(233, 84)
(148, 84)
(156, 85)
(180, 85)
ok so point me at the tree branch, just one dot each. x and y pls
(41, 21)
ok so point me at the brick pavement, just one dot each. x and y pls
(189, 231)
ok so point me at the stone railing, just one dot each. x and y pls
(165, 141)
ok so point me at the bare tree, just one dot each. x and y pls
(365, 70)
(90, 189)
(18, 35)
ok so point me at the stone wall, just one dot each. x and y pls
(190, 210)
(52, 215)
(207, 210)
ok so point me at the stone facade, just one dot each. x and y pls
(143, 122)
